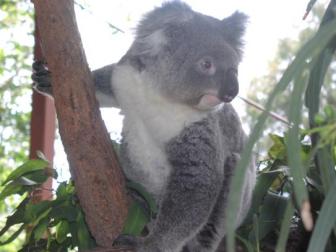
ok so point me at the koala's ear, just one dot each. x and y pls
(149, 44)
(234, 28)
(145, 49)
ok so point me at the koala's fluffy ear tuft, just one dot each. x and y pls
(234, 28)
(150, 35)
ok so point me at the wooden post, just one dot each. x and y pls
(42, 128)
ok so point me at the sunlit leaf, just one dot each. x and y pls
(34, 211)
(85, 240)
(310, 50)
(285, 226)
(12, 188)
(278, 149)
(62, 230)
(14, 235)
(16, 218)
(145, 195)
(325, 222)
(41, 228)
(136, 220)
(29, 166)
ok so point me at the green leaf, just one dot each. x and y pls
(318, 72)
(145, 195)
(64, 211)
(65, 189)
(246, 243)
(41, 176)
(25, 181)
(326, 167)
(13, 188)
(55, 246)
(325, 222)
(136, 220)
(14, 236)
(62, 230)
(271, 212)
(311, 49)
(85, 240)
(29, 166)
(264, 181)
(285, 226)
(16, 218)
(278, 149)
(34, 211)
(294, 142)
(30, 234)
(41, 228)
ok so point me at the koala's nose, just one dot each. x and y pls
(230, 87)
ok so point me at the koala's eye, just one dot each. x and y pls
(206, 66)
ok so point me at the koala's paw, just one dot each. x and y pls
(139, 244)
(231, 163)
(41, 78)
(125, 241)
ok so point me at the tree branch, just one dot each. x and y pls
(98, 180)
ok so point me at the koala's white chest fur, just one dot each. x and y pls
(150, 122)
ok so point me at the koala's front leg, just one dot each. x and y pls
(191, 191)
(41, 78)
(102, 80)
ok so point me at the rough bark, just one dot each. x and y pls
(98, 180)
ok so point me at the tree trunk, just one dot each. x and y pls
(98, 180)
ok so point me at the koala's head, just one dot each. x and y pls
(193, 58)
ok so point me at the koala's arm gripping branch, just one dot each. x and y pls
(98, 180)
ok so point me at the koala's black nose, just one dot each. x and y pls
(230, 87)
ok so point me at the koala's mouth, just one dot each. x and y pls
(209, 101)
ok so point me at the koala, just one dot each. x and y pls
(181, 137)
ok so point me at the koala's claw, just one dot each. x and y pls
(125, 241)
(41, 78)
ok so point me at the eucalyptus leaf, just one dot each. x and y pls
(41, 228)
(271, 213)
(62, 230)
(85, 240)
(40, 176)
(325, 222)
(36, 210)
(264, 181)
(13, 187)
(293, 139)
(145, 195)
(136, 220)
(285, 226)
(16, 218)
(278, 149)
(309, 51)
(14, 235)
(29, 166)
(64, 211)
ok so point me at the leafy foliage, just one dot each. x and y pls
(275, 215)
(59, 224)
(296, 186)
(55, 225)
(16, 26)
(263, 85)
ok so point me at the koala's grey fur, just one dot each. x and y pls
(180, 141)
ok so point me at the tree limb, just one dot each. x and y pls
(98, 180)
